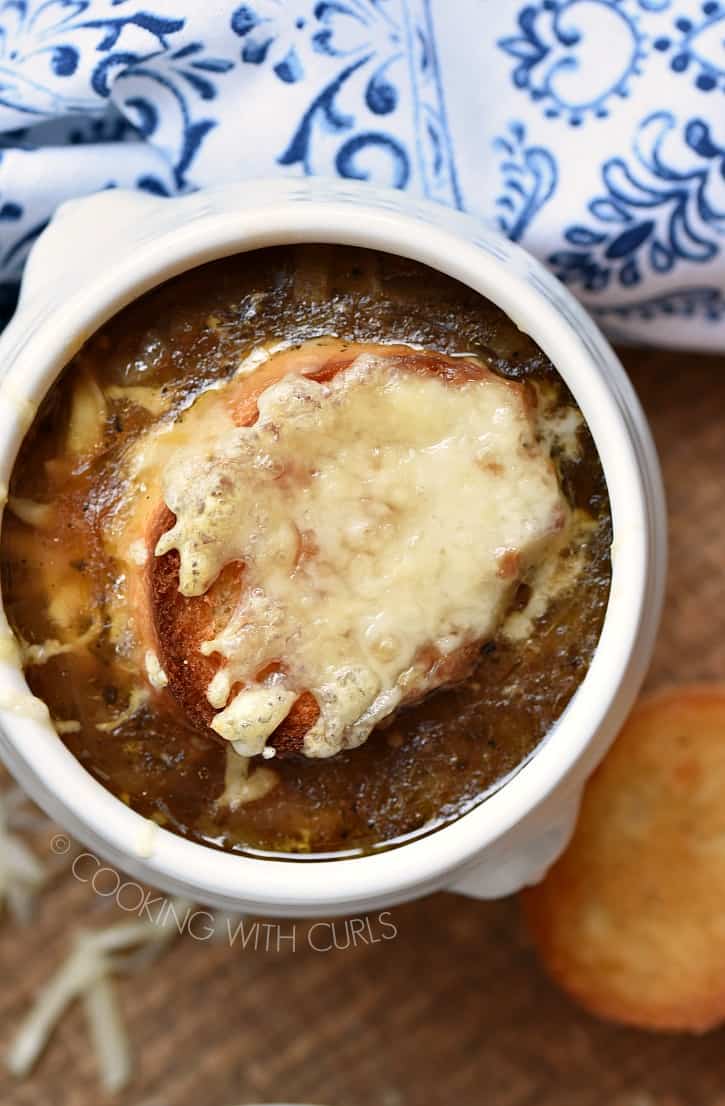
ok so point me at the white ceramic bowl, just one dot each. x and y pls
(101, 253)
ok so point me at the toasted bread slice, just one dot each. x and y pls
(175, 626)
(630, 920)
(180, 625)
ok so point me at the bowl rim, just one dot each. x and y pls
(187, 232)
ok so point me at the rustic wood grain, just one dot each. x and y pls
(454, 1010)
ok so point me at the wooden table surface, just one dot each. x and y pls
(455, 1010)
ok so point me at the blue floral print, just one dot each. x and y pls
(655, 212)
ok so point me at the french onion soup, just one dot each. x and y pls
(306, 550)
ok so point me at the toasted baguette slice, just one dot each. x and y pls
(180, 625)
(630, 920)
(175, 626)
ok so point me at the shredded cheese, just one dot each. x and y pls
(138, 697)
(22, 875)
(87, 418)
(41, 652)
(87, 973)
(94, 960)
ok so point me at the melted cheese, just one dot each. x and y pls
(25, 409)
(258, 356)
(383, 518)
(41, 652)
(152, 400)
(9, 649)
(242, 787)
(551, 578)
(137, 699)
(252, 716)
(87, 418)
(146, 839)
(155, 673)
(138, 553)
(24, 705)
(30, 512)
(66, 725)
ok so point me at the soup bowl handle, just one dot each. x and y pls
(95, 229)
(522, 858)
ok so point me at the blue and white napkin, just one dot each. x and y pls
(590, 131)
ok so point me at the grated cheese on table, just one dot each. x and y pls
(22, 876)
(87, 974)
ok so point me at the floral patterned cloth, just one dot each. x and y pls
(591, 131)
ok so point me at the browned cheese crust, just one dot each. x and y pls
(175, 626)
